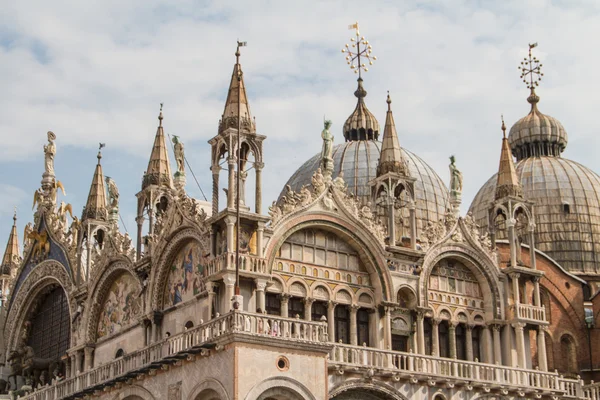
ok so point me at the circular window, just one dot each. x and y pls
(283, 364)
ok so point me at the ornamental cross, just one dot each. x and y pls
(363, 50)
(531, 67)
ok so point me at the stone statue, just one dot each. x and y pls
(49, 152)
(326, 152)
(339, 183)
(456, 178)
(178, 149)
(318, 181)
(113, 193)
(26, 233)
(275, 213)
(74, 230)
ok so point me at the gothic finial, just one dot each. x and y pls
(15, 215)
(364, 52)
(531, 73)
(237, 51)
(389, 101)
(160, 115)
(503, 126)
(100, 147)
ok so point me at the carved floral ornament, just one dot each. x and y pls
(49, 272)
(327, 195)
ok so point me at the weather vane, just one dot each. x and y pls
(363, 50)
(531, 67)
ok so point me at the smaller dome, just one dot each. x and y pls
(537, 134)
(361, 124)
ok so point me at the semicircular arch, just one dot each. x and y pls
(47, 273)
(484, 269)
(279, 382)
(369, 249)
(209, 384)
(360, 385)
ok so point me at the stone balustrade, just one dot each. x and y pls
(178, 346)
(226, 262)
(531, 313)
(591, 391)
(410, 365)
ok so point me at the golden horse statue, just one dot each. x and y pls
(42, 245)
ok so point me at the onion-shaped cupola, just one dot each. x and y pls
(536, 134)
(361, 124)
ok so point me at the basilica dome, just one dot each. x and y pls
(358, 160)
(566, 194)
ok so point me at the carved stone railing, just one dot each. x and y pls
(475, 374)
(178, 346)
(226, 261)
(532, 313)
(591, 391)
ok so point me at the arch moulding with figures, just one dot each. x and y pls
(99, 291)
(47, 273)
(361, 240)
(176, 243)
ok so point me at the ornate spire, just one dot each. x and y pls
(508, 183)
(229, 118)
(159, 168)
(11, 254)
(361, 124)
(95, 207)
(531, 68)
(391, 159)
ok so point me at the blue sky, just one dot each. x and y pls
(97, 73)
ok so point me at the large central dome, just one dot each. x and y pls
(358, 160)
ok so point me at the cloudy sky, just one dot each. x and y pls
(97, 71)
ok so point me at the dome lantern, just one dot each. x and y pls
(536, 134)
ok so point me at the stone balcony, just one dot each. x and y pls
(400, 367)
(226, 262)
(432, 371)
(528, 313)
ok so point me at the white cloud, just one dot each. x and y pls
(96, 72)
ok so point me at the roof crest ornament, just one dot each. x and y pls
(531, 73)
(356, 55)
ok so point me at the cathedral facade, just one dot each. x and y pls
(361, 281)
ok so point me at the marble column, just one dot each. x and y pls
(215, 169)
(469, 340)
(229, 281)
(308, 308)
(374, 328)
(515, 288)
(536, 292)
(331, 321)
(140, 224)
(510, 223)
(387, 328)
(231, 189)
(230, 221)
(285, 298)
(88, 353)
(210, 286)
(435, 337)
(73, 366)
(488, 346)
(520, 338)
(260, 233)
(68, 371)
(391, 221)
(420, 332)
(452, 337)
(261, 284)
(413, 226)
(532, 263)
(497, 344)
(353, 329)
(541, 348)
(78, 362)
(258, 198)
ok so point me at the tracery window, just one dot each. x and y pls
(453, 277)
(50, 326)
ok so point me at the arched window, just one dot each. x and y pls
(568, 351)
(273, 304)
(444, 338)
(342, 324)
(120, 353)
(461, 349)
(476, 337)
(51, 325)
(362, 326)
(189, 325)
